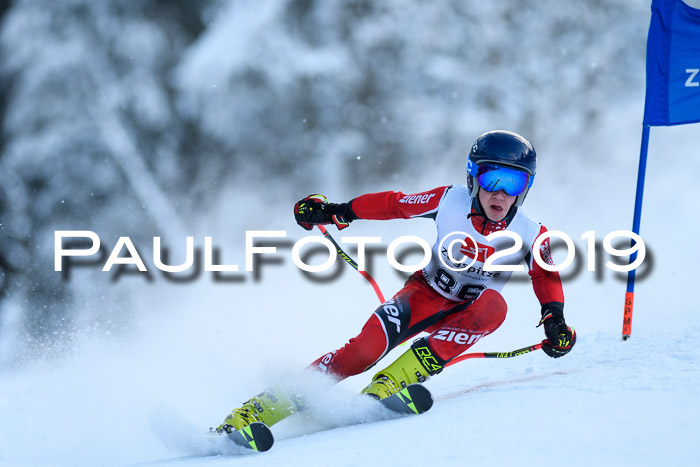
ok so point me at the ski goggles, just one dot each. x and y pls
(493, 177)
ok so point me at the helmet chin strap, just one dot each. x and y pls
(521, 197)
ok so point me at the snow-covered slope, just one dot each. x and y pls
(607, 403)
(144, 385)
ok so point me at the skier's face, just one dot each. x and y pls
(496, 204)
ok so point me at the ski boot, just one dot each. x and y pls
(268, 407)
(416, 365)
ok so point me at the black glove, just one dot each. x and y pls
(560, 337)
(315, 209)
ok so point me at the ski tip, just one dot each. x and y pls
(413, 399)
(256, 436)
(426, 397)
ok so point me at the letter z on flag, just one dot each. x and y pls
(673, 64)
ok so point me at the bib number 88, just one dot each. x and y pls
(446, 282)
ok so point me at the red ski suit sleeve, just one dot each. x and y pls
(547, 284)
(396, 205)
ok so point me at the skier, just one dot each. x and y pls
(455, 302)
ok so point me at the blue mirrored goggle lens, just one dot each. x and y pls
(496, 178)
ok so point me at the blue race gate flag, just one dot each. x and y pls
(672, 98)
(673, 64)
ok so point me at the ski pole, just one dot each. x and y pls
(352, 262)
(514, 353)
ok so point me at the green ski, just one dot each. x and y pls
(413, 399)
(256, 436)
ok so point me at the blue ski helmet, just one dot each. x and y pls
(502, 160)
